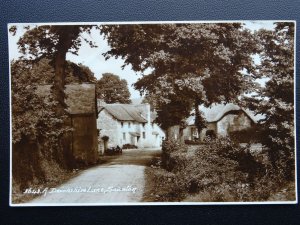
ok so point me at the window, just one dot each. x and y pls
(129, 124)
(144, 135)
(124, 136)
(122, 124)
(194, 132)
(211, 134)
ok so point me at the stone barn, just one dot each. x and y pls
(81, 143)
(82, 108)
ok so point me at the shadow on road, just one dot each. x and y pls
(141, 157)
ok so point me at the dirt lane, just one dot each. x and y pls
(119, 180)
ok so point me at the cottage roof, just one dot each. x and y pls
(126, 112)
(80, 98)
(216, 112)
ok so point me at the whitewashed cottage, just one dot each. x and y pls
(128, 124)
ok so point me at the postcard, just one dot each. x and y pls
(152, 113)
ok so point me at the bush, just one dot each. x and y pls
(221, 170)
(173, 155)
(105, 138)
(192, 142)
(129, 146)
(252, 134)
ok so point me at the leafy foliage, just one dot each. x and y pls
(112, 89)
(53, 41)
(33, 116)
(276, 100)
(45, 41)
(173, 113)
(32, 112)
(220, 170)
(38, 132)
(202, 63)
(40, 121)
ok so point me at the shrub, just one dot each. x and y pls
(252, 134)
(192, 142)
(173, 155)
(105, 138)
(221, 170)
(129, 146)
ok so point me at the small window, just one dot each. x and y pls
(129, 124)
(124, 136)
(122, 124)
(144, 124)
(144, 135)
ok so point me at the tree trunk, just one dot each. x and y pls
(199, 120)
(59, 82)
(66, 36)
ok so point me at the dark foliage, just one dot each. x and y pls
(129, 146)
(39, 132)
(112, 89)
(276, 99)
(220, 170)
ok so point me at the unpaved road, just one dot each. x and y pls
(119, 180)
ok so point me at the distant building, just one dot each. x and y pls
(128, 124)
(222, 119)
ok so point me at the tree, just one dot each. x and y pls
(276, 99)
(202, 63)
(173, 113)
(112, 89)
(42, 120)
(33, 116)
(53, 42)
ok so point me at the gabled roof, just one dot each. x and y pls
(126, 112)
(80, 98)
(217, 111)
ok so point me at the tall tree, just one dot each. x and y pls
(112, 89)
(205, 63)
(53, 42)
(276, 99)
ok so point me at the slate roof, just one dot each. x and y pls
(217, 111)
(80, 98)
(126, 112)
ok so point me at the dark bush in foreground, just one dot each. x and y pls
(218, 171)
(192, 142)
(173, 155)
(247, 135)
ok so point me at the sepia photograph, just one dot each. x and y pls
(152, 113)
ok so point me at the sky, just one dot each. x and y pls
(93, 58)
